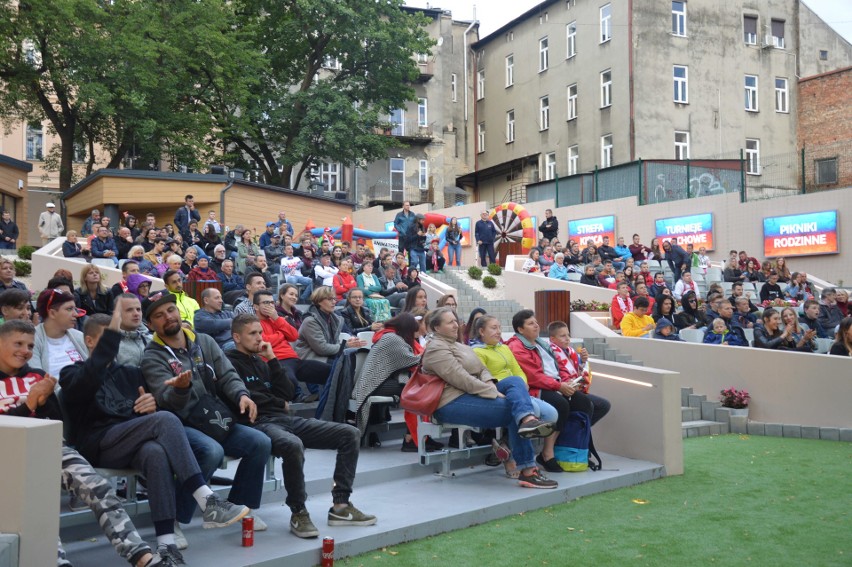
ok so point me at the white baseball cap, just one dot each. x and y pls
(50, 205)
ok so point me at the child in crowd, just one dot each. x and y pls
(719, 334)
(665, 330)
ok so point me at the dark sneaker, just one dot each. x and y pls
(170, 556)
(408, 446)
(535, 428)
(536, 480)
(302, 526)
(349, 516)
(220, 513)
(551, 465)
(432, 445)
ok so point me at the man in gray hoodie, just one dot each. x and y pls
(134, 335)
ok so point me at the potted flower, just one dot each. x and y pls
(736, 400)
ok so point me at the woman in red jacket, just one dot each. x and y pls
(344, 280)
(547, 378)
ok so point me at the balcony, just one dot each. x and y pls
(426, 72)
(408, 132)
(392, 195)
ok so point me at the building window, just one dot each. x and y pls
(330, 62)
(679, 18)
(480, 137)
(681, 84)
(750, 30)
(682, 145)
(823, 55)
(778, 34)
(480, 84)
(751, 93)
(510, 70)
(571, 49)
(397, 179)
(397, 120)
(35, 143)
(825, 171)
(550, 166)
(422, 58)
(510, 126)
(752, 156)
(573, 160)
(424, 174)
(79, 152)
(544, 113)
(422, 112)
(543, 57)
(329, 175)
(782, 95)
(606, 150)
(454, 87)
(606, 88)
(606, 23)
(572, 101)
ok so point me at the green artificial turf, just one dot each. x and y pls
(743, 500)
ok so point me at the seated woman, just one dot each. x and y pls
(691, 317)
(343, 281)
(57, 343)
(137, 253)
(770, 336)
(412, 278)
(558, 271)
(395, 351)
(369, 284)
(356, 316)
(843, 341)
(288, 297)
(732, 272)
(546, 260)
(472, 396)
(15, 304)
(416, 297)
(664, 308)
(753, 273)
(71, 248)
(798, 334)
(202, 272)
(780, 267)
(140, 286)
(92, 296)
(319, 335)
(531, 263)
(468, 336)
(546, 379)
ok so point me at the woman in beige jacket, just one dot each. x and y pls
(472, 396)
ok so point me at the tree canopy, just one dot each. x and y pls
(281, 83)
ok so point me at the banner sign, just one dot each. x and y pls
(694, 229)
(800, 235)
(593, 228)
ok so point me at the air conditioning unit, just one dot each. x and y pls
(767, 41)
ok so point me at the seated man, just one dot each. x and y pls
(291, 435)
(291, 270)
(830, 314)
(810, 318)
(638, 323)
(325, 271)
(736, 335)
(743, 315)
(274, 251)
(771, 290)
(175, 349)
(574, 363)
(104, 246)
(134, 334)
(231, 280)
(29, 392)
(392, 287)
(254, 283)
(658, 286)
(607, 252)
(621, 304)
(737, 292)
(218, 258)
(261, 266)
(212, 320)
(186, 305)
(115, 423)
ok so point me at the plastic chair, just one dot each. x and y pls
(692, 335)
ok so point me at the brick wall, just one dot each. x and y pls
(825, 125)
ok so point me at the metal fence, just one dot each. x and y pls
(651, 181)
(813, 168)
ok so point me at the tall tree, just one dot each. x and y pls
(335, 70)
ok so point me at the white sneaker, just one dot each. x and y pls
(259, 525)
(180, 539)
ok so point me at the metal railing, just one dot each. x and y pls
(383, 191)
(813, 168)
(411, 129)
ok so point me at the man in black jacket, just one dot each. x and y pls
(115, 424)
(550, 227)
(8, 232)
(291, 435)
(485, 233)
(607, 252)
(677, 258)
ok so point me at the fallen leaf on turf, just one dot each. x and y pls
(639, 501)
(570, 529)
(393, 552)
(744, 437)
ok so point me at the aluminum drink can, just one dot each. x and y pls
(248, 531)
(327, 552)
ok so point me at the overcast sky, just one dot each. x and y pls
(494, 13)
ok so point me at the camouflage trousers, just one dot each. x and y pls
(81, 479)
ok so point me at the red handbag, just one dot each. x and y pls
(422, 393)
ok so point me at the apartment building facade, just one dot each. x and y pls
(575, 85)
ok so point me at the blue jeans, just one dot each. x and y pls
(252, 447)
(469, 409)
(302, 280)
(454, 251)
(417, 259)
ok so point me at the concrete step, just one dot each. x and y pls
(690, 414)
(694, 400)
(702, 428)
(684, 396)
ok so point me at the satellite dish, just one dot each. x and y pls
(440, 41)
